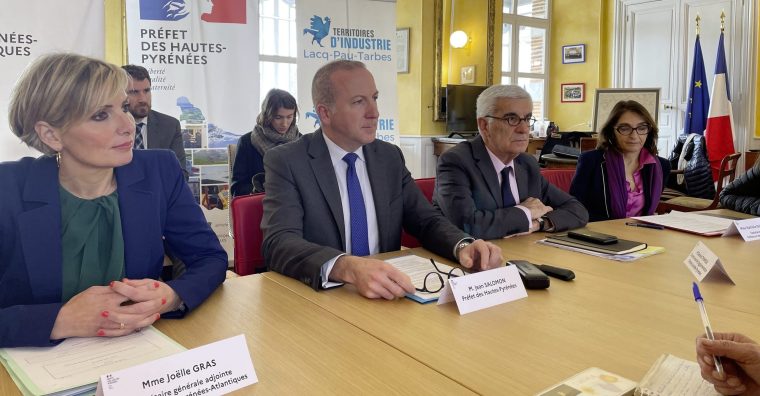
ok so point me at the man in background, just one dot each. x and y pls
(153, 130)
(490, 187)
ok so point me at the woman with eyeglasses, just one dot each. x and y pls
(623, 177)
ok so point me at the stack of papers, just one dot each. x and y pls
(671, 375)
(417, 268)
(702, 224)
(591, 382)
(74, 366)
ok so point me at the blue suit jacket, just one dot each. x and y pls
(154, 202)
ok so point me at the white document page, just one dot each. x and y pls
(80, 361)
(417, 268)
(690, 222)
(671, 375)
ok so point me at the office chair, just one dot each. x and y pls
(726, 175)
(246, 212)
(561, 178)
(426, 185)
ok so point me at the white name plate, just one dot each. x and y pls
(214, 369)
(704, 264)
(749, 229)
(485, 289)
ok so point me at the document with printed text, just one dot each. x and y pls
(77, 363)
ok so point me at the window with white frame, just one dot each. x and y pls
(277, 46)
(524, 48)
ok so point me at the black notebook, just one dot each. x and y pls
(622, 246)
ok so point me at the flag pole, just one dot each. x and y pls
(722, 20)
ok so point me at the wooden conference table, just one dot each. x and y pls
(616, 316)
(297, 348)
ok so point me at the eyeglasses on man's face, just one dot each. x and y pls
(625, 129)
(514, 120)
(434, 282)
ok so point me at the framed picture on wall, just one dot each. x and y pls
(402, 50)
(575, 53)
(573, 92)
(607, 98)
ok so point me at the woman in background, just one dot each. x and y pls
(82, 227)
(743, 194)
(275, 125)
(623, 177)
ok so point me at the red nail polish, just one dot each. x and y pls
(101, 333)
(156, 284)
(104, 314)
(163, 301)
(111, 284)
(158, 316)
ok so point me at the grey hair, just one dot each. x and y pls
(486, 102)
(322, 91)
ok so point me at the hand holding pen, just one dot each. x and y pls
(740, 359)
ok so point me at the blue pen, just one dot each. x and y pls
(706, 324)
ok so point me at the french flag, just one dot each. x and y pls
(719, 133)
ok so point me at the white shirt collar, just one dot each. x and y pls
(497, 164)
(337, 153)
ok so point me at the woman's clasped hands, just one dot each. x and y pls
(121, 308)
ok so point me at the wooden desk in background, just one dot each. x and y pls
(616, 316)
(296, 347)
(441, 145)
(556, 162)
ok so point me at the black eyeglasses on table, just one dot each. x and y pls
(433, 282)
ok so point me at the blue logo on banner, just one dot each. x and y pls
(313, 114)
(163, 10)
(319, 29)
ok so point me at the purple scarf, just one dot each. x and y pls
(619, 193)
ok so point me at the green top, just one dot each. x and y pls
(93, 244)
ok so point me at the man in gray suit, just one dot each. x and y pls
(338, 194)
(154, 130)
(489, 187)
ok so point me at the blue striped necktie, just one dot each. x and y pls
(359, 233)
(506, 191)
(139, 136)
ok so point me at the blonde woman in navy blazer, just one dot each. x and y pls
(73, 109)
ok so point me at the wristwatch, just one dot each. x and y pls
(541, 221)
(461, 245)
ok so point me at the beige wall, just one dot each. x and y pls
(581, 24)
(415, 89)
(116, 41)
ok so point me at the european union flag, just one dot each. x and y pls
(699, 98)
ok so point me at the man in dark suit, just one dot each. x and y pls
(489, 187)
(154, 130)
(338, 194)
